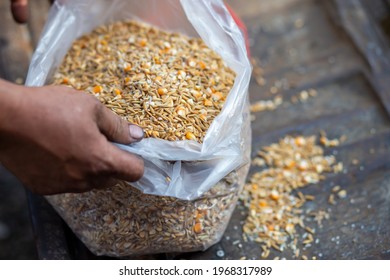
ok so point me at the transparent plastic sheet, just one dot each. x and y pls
(196, 170)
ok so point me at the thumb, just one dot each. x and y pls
(117, 129)
(19, 10)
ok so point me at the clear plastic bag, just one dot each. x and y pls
(198, 172)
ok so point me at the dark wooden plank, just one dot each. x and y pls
(300, 43)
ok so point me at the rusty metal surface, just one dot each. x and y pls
(341, 50)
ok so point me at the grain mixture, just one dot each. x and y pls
(122, 221)
(171, 85)
(273, 198)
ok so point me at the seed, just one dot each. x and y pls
(289, 163)
(191, 62)
(300, 141)
(207, 103)
(331, 199)
(198, 228)
(181, 74)
(263, 203)
(336, 188)
(290, 228)
(274, 195)
(97, 89)
(196, 94)
(162, 91)
(143, 42)
(342, 194)
(127, 67)
(217, 96)
(303, 165)
(190, 136)
(202, 65)
(180, 110)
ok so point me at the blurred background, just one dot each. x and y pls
(340, 49)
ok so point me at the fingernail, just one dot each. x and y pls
(136, 132)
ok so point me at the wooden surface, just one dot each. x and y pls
(341, 50)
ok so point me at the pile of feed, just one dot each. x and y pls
(275, 215)
(170, 85)
(173, 87)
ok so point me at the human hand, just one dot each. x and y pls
(19, 9)
(56, 139)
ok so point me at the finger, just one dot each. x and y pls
(19, 10)
(124, 165)
(117, 129)
(99, 182)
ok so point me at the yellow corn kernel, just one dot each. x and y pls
(290, 228)
(274, 195)
(127, 80)
(262, 203)
(117, 91)
(196, 94)
(167, 45)
(207, 103)
(143, 42)
(217, 96)
(198, 228)
(97, 89)
(162, 91)
(289, 164)
(202, 65)
(181, 74)
(198, 217)
(203, 117)
(127, 67)
(323, 140)
(300, 141)
(65, 81)
(303, 165)
(190, 136)
(255, 186)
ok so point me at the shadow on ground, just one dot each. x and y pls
(16, 237)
